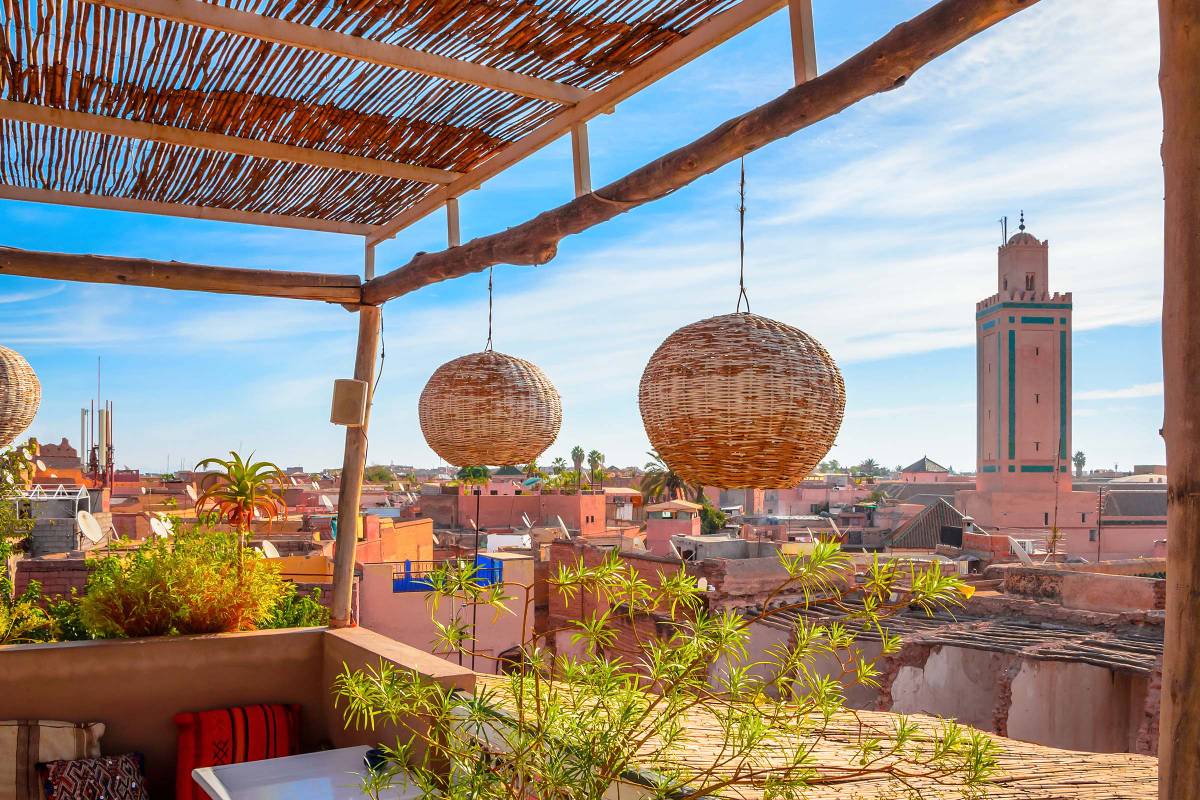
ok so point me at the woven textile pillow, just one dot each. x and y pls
(232, 736)
(104, 778)
(25, 743)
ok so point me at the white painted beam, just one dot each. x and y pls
(183, 137)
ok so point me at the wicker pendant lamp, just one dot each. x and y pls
(489, 408)
(20, 395)
(742, 401)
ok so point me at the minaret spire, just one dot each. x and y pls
(1021, 227)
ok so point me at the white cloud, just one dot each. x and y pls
(1127, 393)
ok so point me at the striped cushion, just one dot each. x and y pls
(232, 736)
(24, 743)
(104, 778)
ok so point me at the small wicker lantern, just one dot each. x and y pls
(489, 408)
(742, 401)
(20, 395)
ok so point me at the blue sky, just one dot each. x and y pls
(875, 231)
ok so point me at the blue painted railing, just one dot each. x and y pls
(413, 576)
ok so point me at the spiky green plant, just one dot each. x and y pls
(240, 490)
(686, 712)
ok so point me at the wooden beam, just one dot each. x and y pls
(110, 203)
(706, 36)
(885, 65)
(278, 31)
(581, 159)
(354, 463)
(177, 275)
(1179, 82)
(453, 223)
(182, 137)
(804, 40)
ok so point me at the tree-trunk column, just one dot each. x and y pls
(354, 461)
(1179, 80)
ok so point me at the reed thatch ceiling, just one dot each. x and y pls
(121, 104)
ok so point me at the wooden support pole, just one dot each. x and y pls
(887, 64)
(453, 224)
(176, 275)
(1179, 82)
(581, 159)
(354, 463)
(804, 40)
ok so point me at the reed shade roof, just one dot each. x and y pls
(489, 408)
(84, 57)
(742, 401)
(20, 395)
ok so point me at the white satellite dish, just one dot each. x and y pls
(270, 550)
(41, 465)
(436, 540)
(675, 550)
(160, 527)
(526, 520)
(89, 527)
(702, 583)
(191, 492)
(316, 486)
(325, 501)
(294, 481)
(562, 526)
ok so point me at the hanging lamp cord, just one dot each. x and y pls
(488, 347)
(742, 241)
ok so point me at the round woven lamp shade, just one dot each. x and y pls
(20, 395)
(489, 409)
(742, 401)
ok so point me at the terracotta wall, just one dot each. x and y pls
(58, 576)
(136, 686)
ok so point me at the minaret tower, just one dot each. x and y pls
(1023, 362)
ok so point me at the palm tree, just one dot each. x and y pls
(661, 481)
(596, 466)
(239, 491)
(1080, 461)
(577, 458)
(558, 465)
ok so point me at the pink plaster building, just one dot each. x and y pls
(672, 518)
(925, 470)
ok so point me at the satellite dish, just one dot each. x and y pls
(675, 550)
(436, 540)
(294, 481)
(161, 528)
(562, 526)
(316, 486)
(526, 520)
(143, 490)
(89, 527)
(269, 550)
(41, 465)
(191, 492)
(702, 583)
(325, 501)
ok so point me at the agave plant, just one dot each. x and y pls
(239, 491)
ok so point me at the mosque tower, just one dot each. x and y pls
(1023, 363)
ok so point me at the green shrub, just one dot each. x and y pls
(68, 621)
(189, 583)
(296, 611)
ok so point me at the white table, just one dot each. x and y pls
(328, 775)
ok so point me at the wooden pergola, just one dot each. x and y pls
(360, 118)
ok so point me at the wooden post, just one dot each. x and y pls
(581, 159)
(804, 40)
(1179, 81)
(354, 462)
(453, 225)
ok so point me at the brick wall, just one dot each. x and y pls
(58, 576)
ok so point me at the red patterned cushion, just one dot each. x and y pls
(232, 736)
(103, 778)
